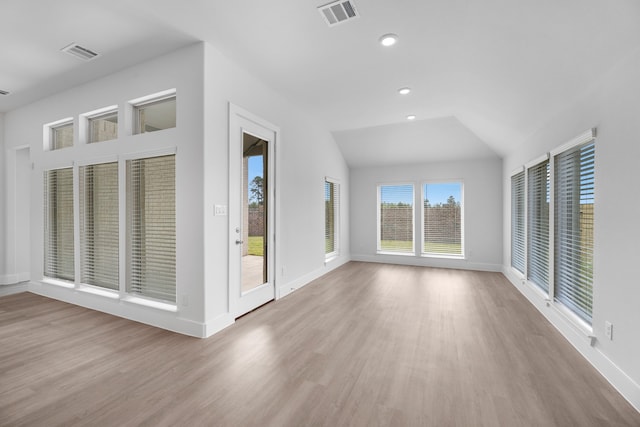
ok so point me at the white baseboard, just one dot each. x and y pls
(139, 313)
(625, 385)
(287, 288)
(217, 324)
(15, 288)
(457, 264)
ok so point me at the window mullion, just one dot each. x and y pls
(123, 256)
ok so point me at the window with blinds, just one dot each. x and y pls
(538, 225)
(99, 230)
(58, 224)
(395, 219)
(442, 219)
(517, 222)
(331, 218)
(573, 214)
(151, 227)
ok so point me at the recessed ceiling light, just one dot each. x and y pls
(404, 90)
(388, 39)
(411, 117)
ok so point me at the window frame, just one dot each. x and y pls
(81, 199)
(379, 249)
(588, 137)
(336, 217)
(519, 172)
(537, 275)
(50, 135)
(91, 117)
(126, 237)
(138, 105)
(423, 252)
(47, 256)
(584, 139)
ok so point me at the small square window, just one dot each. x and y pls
(103, 127)
(155, 115)
(61, 136)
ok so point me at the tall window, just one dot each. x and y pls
(538, 225)
(573, 213)
(99, 232)
(331, 217)
(517, 221)
(395, 219)
(151, 227)
(442, 219)
(58, 224)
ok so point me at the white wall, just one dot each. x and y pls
(305, 154)
(182, 70)
(482, 180)
(205, 82)
(612, 107)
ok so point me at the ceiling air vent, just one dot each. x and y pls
(79, 52)
(337, 12)
(3, 92)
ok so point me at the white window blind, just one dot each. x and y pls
(151, 227)
(574, 202)
(517, 222)
(332, 217)
(538, 225)
(442, 227)
(395, 218)
(99, 234)
(58, 224)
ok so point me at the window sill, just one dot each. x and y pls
(396, 253)
(443, 256)
(331, 257)
(151, 303)
(108, 293)
(58, 282)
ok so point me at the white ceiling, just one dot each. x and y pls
(485, 74)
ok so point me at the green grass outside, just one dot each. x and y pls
(256, 245)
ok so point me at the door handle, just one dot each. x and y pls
(239, 242)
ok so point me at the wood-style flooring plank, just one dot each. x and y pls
(365, 345)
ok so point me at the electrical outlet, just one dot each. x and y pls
(608, 330)
(220, 210)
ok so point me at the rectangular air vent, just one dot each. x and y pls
(79, 52)
(3, 92)
(337, 12)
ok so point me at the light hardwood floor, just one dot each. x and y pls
(367, 344)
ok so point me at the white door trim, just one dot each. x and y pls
(239, 120)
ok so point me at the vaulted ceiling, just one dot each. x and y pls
(485, 74)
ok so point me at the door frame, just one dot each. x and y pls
(237, 117)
